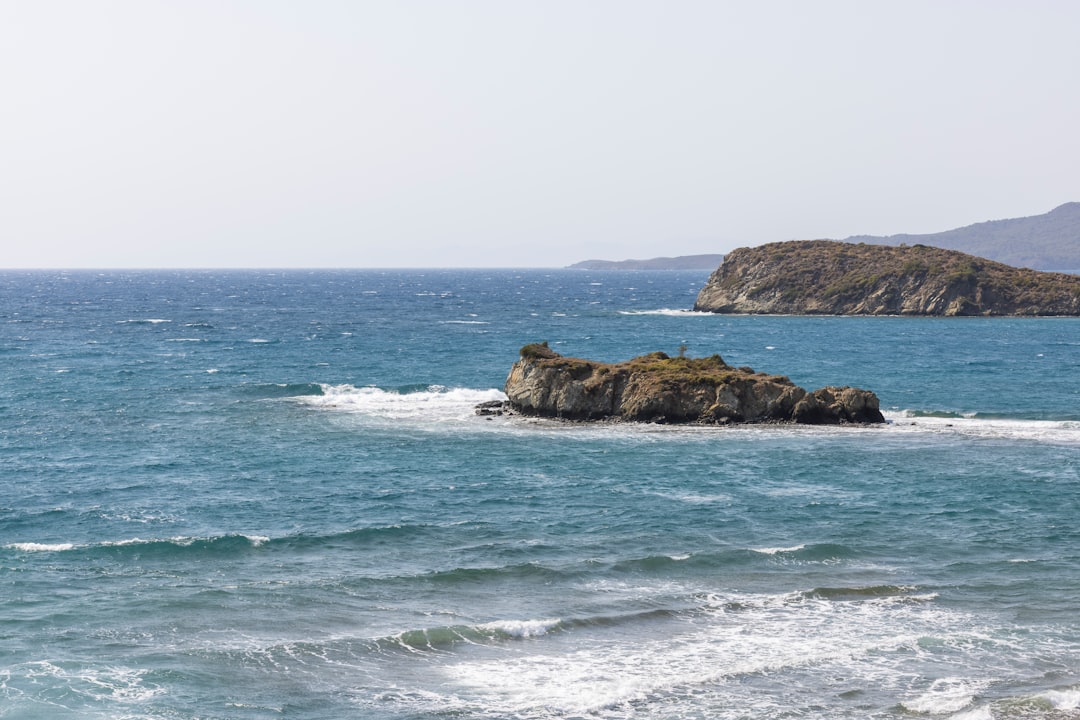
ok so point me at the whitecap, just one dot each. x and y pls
(777, 550)
(433, 404)
(734, 636)
(670, 312)
(1063, 699)
(40, 547)
(979, 713)
(115, 684)
(967, 425)
(946, 695)
(522, 628)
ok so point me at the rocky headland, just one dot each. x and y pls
(661, 389)
(826, 277)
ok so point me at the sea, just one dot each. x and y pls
(266, 494)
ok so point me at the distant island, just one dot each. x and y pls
(1048, 242)
(657, 388)
(829, 277)
(683, 262)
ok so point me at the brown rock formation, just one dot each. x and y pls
(662, 389)
(836, 278)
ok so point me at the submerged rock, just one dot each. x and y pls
(662, 389)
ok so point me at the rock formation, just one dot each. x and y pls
(834, 278)
(662, 389)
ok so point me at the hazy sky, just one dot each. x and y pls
(461, 133)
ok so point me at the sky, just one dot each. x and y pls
(519, 133)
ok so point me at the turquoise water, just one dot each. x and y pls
(266, 495)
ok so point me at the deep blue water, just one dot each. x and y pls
(266, 495)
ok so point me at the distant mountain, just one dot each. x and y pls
(1041, 242)
(683, 262)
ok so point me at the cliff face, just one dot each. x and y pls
(837, 278)
(658, 388)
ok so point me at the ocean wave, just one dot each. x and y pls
(946, 696)
(349, 538)
(501, 631)
(219, 545)
(707, 656)
(233, 543)
(1062, 699)
(431, 403)
(96, 684)
(871, 592)
(671, 312)
(981, 426)
(809, 553)
(777, 550)
(281, 390)
(478, 575)
(40, 547)
(696, 562)
(682, 564)
(443, 637)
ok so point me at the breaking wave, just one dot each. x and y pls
(980, 426)
(426, 402)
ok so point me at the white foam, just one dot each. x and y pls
(1050, 431)
(694, 498)
(946, 695)
(522, 628)
(1063, 699)
(775, 550)
(670, 312)
(595, 671)
(979, 713)
(116, 684)
(435, 404)
(184, 540)
(40, 547)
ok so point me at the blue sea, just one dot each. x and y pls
(266, 494)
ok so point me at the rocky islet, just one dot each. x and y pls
(658, 388)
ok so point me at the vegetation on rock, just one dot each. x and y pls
(660, 388)
(837, 278)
